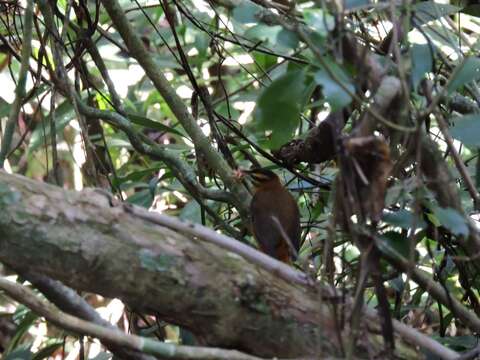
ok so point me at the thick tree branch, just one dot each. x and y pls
(226, 301)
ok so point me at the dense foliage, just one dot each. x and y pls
(367, 111)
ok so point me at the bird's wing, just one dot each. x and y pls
(264, 229)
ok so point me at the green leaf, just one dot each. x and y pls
(334, 94)
(150, 124)
(191, 212)
(467, 130)
(429, 10)
(246, 12)
(4, 107)
(264, 32)
(394, 244)
(279, 105)
(276, 36)
(319, 20)
(286, 40)
(452, 220)
(467, 71)
(26, 319)
(142, 198)
(422, 60)
(404, 219)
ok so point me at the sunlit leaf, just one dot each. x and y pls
(404, 219)
(278, 107)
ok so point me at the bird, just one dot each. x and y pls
(275, 217)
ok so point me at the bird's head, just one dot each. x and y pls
(261, 177)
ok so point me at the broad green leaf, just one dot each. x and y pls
(264, 32)
(466, 71)
(286, 39)
(430, 10)
(246, 12)
(422, 60)
(335, 94)
(467, 130)
(275, 36)
(319, 20)
(142, 198)
(191, 212)
(404, 219)
(264, 60)
(394, 244)
(279, 105)
(452, 220)
(4, 107)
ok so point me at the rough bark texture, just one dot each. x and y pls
(81, 240)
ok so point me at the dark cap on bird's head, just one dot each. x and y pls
(260, 176)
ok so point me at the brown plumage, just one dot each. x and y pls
(272, 200)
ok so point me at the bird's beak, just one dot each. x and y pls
(239, 174)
